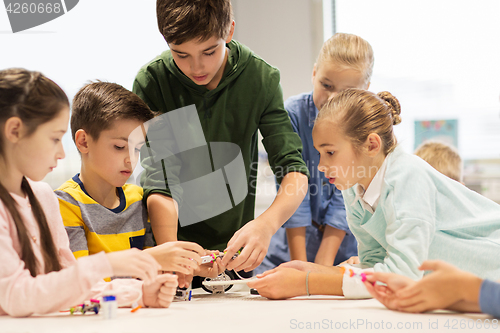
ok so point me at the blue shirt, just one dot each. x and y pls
(422, 215)
(489, 298)
(323, 203)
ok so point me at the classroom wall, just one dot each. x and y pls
(286, 33)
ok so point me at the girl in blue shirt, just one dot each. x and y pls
(318, 231)
(400, 209)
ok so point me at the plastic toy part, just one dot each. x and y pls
(223, 283)
(212, 257)
(94, 306)
(183, 294)
(361, 276)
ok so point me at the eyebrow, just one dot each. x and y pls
(205, 50)
(325, 145)
(126, 139)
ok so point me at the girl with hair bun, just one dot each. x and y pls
(400, 209)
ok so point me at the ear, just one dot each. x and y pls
(231, 33)
(314, 73)
(13, 128)
(82, 141)
(373, 144)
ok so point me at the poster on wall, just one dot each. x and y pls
(440, 130)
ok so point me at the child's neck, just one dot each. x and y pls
(373, 166)
(100, 190)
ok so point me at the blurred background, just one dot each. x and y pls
(439, 58)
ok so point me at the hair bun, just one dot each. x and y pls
(393, 104)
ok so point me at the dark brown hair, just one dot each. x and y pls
(35, 99)
(359, 112)
(98, 104)
(180, 21)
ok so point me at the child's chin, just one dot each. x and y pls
(343, 187)
(37, 178)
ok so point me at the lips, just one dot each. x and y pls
(331, 180)
(200, 78)
(126, 173)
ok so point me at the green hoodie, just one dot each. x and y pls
(248, 98)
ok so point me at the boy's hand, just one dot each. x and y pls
(280, 283)
(182, 257)
(386, 294)
(212, 269)
(446, 286)
(254, 237)
(160, 292)
(134, 262)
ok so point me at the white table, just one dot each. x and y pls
(238, 311)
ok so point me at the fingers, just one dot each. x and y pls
(379, 276)
(167, 293)
(370, 288)
(234, 245)
(228, 256)
(142, 265)
(410, 302)
(269, 272)
(260, 282)
(353, 260)
(417, 307)
(167, 278)
(192, 247)
(257, 262)
(251, 262)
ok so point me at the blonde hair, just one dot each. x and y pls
(442, 157)
(350, 51)
(359, 113)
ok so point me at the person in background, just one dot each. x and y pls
(318, 231)
(442, 157)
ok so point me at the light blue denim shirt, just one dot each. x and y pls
(489, 298)
(323, 203)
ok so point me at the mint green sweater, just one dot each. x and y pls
(422, 215)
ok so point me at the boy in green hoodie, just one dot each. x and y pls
(236, 93)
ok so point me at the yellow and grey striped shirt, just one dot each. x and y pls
(93, 228)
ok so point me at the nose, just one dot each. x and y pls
(60, 153)
(196, 65)
(332, 95)
(128, 159)
(321, 166)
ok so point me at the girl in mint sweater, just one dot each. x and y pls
(400, 209)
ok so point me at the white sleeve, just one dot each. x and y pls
(352, 286)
